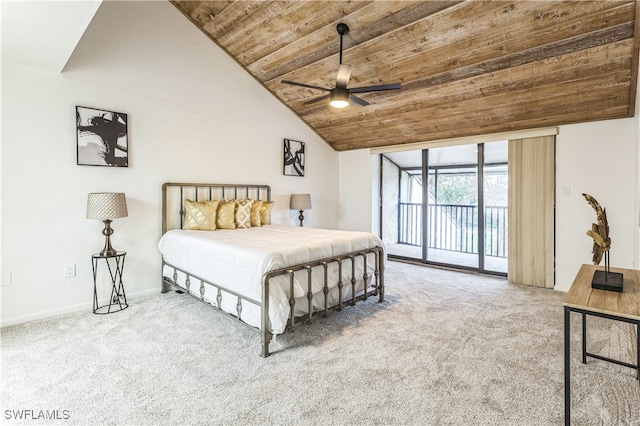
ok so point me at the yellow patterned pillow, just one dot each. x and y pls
(226, 215)
(265, 213)
(200, 215)
(243, 214)
(255, 213)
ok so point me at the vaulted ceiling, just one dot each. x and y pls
(466, 67)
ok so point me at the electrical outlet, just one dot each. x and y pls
(70, 271)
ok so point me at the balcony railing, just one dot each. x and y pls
(455, 227)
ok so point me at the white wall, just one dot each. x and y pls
(194, 115)
(599, 159)
(358, 180)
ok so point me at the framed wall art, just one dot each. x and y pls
(293, 158)
(101, 137)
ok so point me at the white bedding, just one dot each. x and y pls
(238, 259)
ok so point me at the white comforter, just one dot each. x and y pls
(238, 259)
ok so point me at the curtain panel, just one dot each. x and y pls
(531, 211)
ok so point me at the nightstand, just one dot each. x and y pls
(118, 299)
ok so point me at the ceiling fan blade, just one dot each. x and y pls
(344, 74)
(358, 100)
(381, 87)
(308, 86)
(313, 101)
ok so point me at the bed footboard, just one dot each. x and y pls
(373, 286)
(346, 260)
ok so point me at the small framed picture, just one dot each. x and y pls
(101, 137)
(293, 158)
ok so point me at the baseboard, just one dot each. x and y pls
(81, 307)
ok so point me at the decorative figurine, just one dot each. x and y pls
(599, 232)
(603, 280)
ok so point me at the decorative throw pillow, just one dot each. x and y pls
(225, 218)
(243, 214)
(255, 212)
(265, 213)
(200, 215)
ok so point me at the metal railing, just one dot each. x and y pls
(454, 227)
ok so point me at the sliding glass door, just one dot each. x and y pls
(447, 206)
(402, 207)
(453, 206)
(495, 190)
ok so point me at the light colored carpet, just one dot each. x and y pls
(444, 348)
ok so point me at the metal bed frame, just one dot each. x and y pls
(173, 218)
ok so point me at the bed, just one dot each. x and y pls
(270, 277)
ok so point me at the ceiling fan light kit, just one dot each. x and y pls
(341, 96)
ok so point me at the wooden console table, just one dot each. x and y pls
(582, 298)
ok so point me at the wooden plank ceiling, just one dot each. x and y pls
(466, 67)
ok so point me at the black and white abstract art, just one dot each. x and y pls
(293, 158)
(101, 137)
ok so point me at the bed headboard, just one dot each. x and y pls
(174, 194)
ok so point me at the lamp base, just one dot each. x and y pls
(107, 251)
(301, 217)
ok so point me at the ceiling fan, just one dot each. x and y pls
(340, 96)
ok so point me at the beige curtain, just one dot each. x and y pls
(531, 211)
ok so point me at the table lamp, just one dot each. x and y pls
(300, 202)
(106, 206)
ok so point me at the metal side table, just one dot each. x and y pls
(118, 298)
(623, 307)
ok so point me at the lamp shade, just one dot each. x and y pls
(106, 205)
(300, 202)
